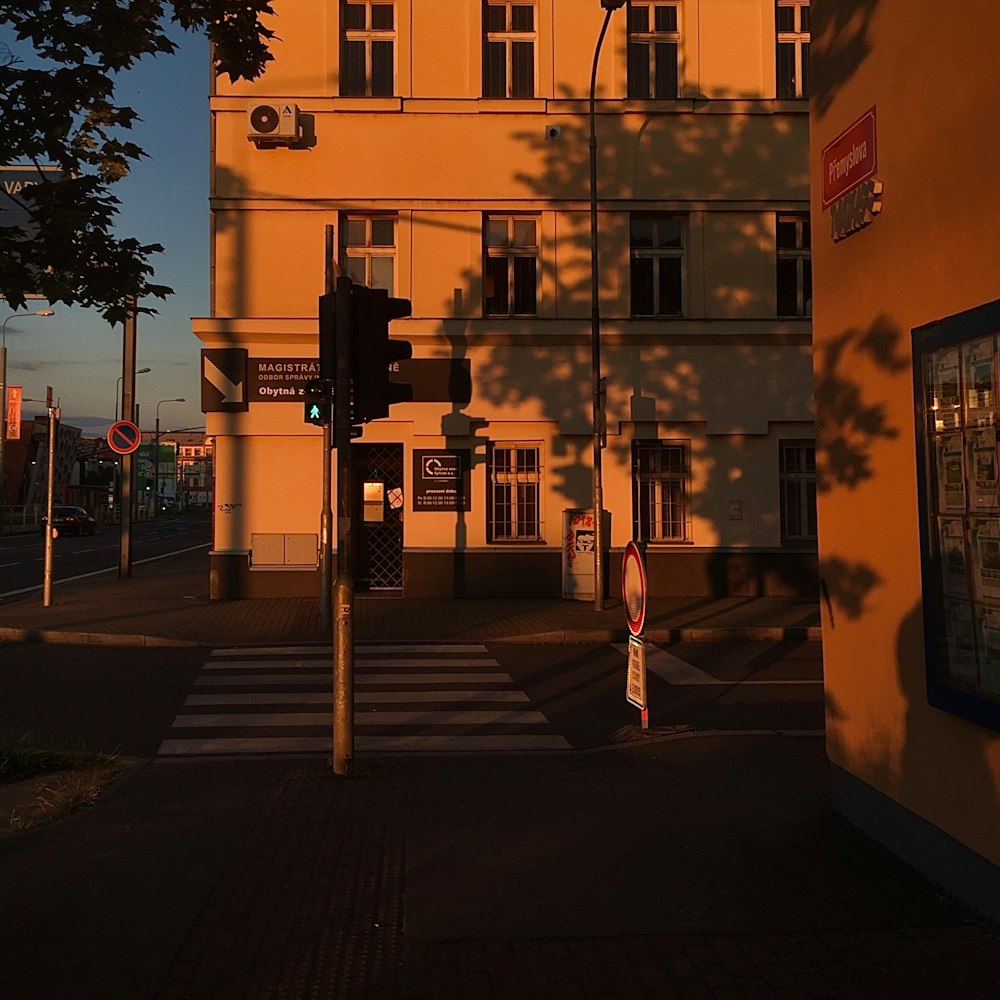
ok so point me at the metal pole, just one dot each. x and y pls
(128, 461)
(343, 639)
(156, 464)
(595, 333)
(326, 514)
(53, 413)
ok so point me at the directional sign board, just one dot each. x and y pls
(224, 380)
(124, 437)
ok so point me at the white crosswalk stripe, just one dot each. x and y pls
(408, 699)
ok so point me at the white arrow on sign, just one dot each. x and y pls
(232, 392)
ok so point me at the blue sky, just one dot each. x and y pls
(164, 200)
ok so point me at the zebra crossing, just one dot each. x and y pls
(416, 698)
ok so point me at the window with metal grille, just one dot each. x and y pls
(653, 47)
(510, 265)
(661, 480)
(368, 249)
(657, 264)
(794, 265)
(508, 49)
(515, 485)
(797, 481)
(792, 47)
(367, 49)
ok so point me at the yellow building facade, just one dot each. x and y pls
(906, 327)
(445, 146)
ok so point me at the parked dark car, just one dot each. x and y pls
(71, 521)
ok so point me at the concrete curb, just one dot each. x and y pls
(769, 633)
(798, 633)
(62, 638)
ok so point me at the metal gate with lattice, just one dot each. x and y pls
(379, 544)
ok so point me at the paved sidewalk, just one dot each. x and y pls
(166, 603)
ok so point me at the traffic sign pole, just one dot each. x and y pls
(127, 477)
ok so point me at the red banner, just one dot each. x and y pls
(13, 412)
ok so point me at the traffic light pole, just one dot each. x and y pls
(326, 515)
(343, 599)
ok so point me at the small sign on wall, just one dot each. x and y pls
(441, 479)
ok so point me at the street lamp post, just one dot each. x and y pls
(156, 455)
(118, 386)
(610, 6)
(3, 401)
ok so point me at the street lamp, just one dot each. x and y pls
(610, 6)
(156, 454)
(3, 399)
(118, 386)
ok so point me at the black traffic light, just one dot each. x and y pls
(318, 400)
(372, 352)
(328, 336)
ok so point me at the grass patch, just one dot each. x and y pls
(43, 780)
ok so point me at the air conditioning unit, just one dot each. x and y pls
(273, 123)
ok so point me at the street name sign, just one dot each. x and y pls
(850, 159)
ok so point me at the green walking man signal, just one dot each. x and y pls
(318, 402)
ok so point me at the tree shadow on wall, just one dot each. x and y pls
(659, 371)
(849, 424)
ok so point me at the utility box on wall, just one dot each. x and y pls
(271, 550)
(578, 553)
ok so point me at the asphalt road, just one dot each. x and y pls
(132, 700)
(22, 557)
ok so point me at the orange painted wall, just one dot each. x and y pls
(932, 252)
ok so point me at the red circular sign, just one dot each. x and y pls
(634, 588)
(124, 437)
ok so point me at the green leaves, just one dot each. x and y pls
(58, 109)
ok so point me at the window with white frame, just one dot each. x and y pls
(510, 265)
(509, 37)
(367, 50)
(797, 481)
(657, 264)
(653, 50)
(514, 508)
(794, 265)
(792, 47)
(369, 249)
(661, 482)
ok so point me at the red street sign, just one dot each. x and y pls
(849, 159)
(634, 588)
(124, 437)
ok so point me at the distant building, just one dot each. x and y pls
(30, 455)
(907, 365)
(446, 143)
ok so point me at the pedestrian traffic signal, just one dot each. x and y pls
(318, 399)
(373, 352)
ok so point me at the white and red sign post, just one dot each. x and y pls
(634, 599)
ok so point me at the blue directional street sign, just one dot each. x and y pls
(124, 437)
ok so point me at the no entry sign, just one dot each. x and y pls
(124, 437)
(634, 588)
